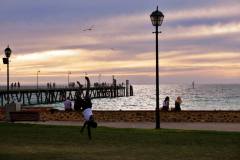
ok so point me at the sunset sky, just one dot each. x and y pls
(200, 40)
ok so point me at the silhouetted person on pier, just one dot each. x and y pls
(18, 84)
(131, 90)
(87, 112)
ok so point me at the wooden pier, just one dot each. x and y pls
(54, 95)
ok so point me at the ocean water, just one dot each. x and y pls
(202, 97)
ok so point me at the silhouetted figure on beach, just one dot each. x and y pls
(86, 109)
(178, 104)
(166, 104)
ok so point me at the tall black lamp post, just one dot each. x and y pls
(157, 19)
(8, 52)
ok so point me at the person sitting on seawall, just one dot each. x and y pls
(87, 112)
(178, 104)
(67, 105)
(166, 104)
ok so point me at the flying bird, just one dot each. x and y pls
(88, 29)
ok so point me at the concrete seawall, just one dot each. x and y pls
(47, 114)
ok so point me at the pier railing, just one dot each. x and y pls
(34, 96)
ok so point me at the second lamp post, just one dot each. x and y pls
(157, 19)
(8, 52)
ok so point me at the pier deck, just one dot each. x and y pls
(54, 95)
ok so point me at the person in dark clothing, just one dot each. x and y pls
(78, 103)
(166, 104)
(87, 111)
(178, 104)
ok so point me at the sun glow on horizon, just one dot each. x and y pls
(58, 62)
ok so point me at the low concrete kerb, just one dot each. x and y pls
(211, 126)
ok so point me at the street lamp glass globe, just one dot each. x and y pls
(157, 18)
(8, 52)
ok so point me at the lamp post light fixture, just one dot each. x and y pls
(8, 53)
(37, 78)
(157, 19)
(69, 72)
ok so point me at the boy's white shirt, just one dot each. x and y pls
(87, 113)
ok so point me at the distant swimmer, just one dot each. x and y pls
(193, 84)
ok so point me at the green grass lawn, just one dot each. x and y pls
(41, 142)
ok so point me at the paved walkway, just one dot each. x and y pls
(150, 125)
